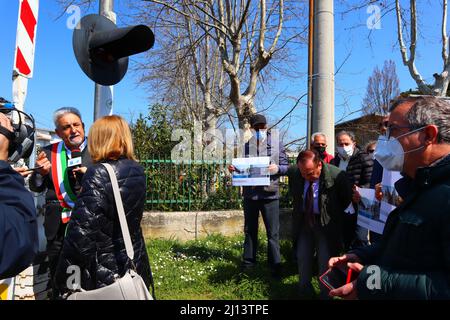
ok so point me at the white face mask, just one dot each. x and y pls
(390, 153)
(346, 151)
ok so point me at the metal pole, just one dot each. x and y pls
(103, 100)
(323, 78)
(310, 71)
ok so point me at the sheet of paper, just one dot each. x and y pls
(252, 171)
(390, 196)
(369, 211)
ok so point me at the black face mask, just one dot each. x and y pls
(321, 151)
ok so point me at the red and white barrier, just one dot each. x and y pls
(26, 37)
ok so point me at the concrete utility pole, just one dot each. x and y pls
(103, 101)
(310, 71)
(323, 78)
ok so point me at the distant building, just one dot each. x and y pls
(45, 137)
(365, 128)
(291, 154)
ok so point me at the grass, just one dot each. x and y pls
(209, 269)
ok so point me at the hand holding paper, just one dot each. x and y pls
(273, 169)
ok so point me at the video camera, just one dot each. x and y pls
(21, 140)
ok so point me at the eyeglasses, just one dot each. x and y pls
(392, 127)
(371, 150)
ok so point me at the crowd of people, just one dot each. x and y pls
(412, 255)
(82, 226)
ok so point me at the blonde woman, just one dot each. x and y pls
(94, 239)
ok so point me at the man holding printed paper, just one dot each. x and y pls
(62, 167)
(263, 196)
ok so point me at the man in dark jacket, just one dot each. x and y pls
(18, 224)
(320, 194)
(412, 258)
(264, 199)
(61, 180)
(358, 166)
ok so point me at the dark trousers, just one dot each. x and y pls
(311, 240)
(354, 235)
(271, 216)
(374, 237)
(54, 248)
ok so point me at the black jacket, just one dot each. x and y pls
(18, 224)
(359, 169)
(335, 194)
(52, 208)
(413, 254)
(94, 239)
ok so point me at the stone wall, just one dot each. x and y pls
(197, 224)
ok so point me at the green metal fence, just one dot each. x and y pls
(194, 185)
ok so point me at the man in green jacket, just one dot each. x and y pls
(412, 258)
(320, 194)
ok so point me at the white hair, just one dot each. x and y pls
(315, 134)
(63, 111)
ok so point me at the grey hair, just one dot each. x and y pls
(315, 134)
(63, 111)
(370, 143)
(348, 133)
(428, 110)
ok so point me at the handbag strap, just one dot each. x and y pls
(120, 211)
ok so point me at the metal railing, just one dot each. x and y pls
(194, 185)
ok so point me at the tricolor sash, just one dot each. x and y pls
(63, 190)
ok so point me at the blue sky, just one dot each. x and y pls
(58, 81)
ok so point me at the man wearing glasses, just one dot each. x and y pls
(412, 258)
(62, 165)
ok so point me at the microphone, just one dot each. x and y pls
(74, 163)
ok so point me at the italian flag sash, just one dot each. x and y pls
(60, 178)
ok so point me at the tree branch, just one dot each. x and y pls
(444, 34)
(280, 26)
(290, 111)
(190, 16)
(410, 62)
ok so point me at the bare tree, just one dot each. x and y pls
(246, 35)
(185, 72)
(211, 50)
(407, 32)
(382, 87)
